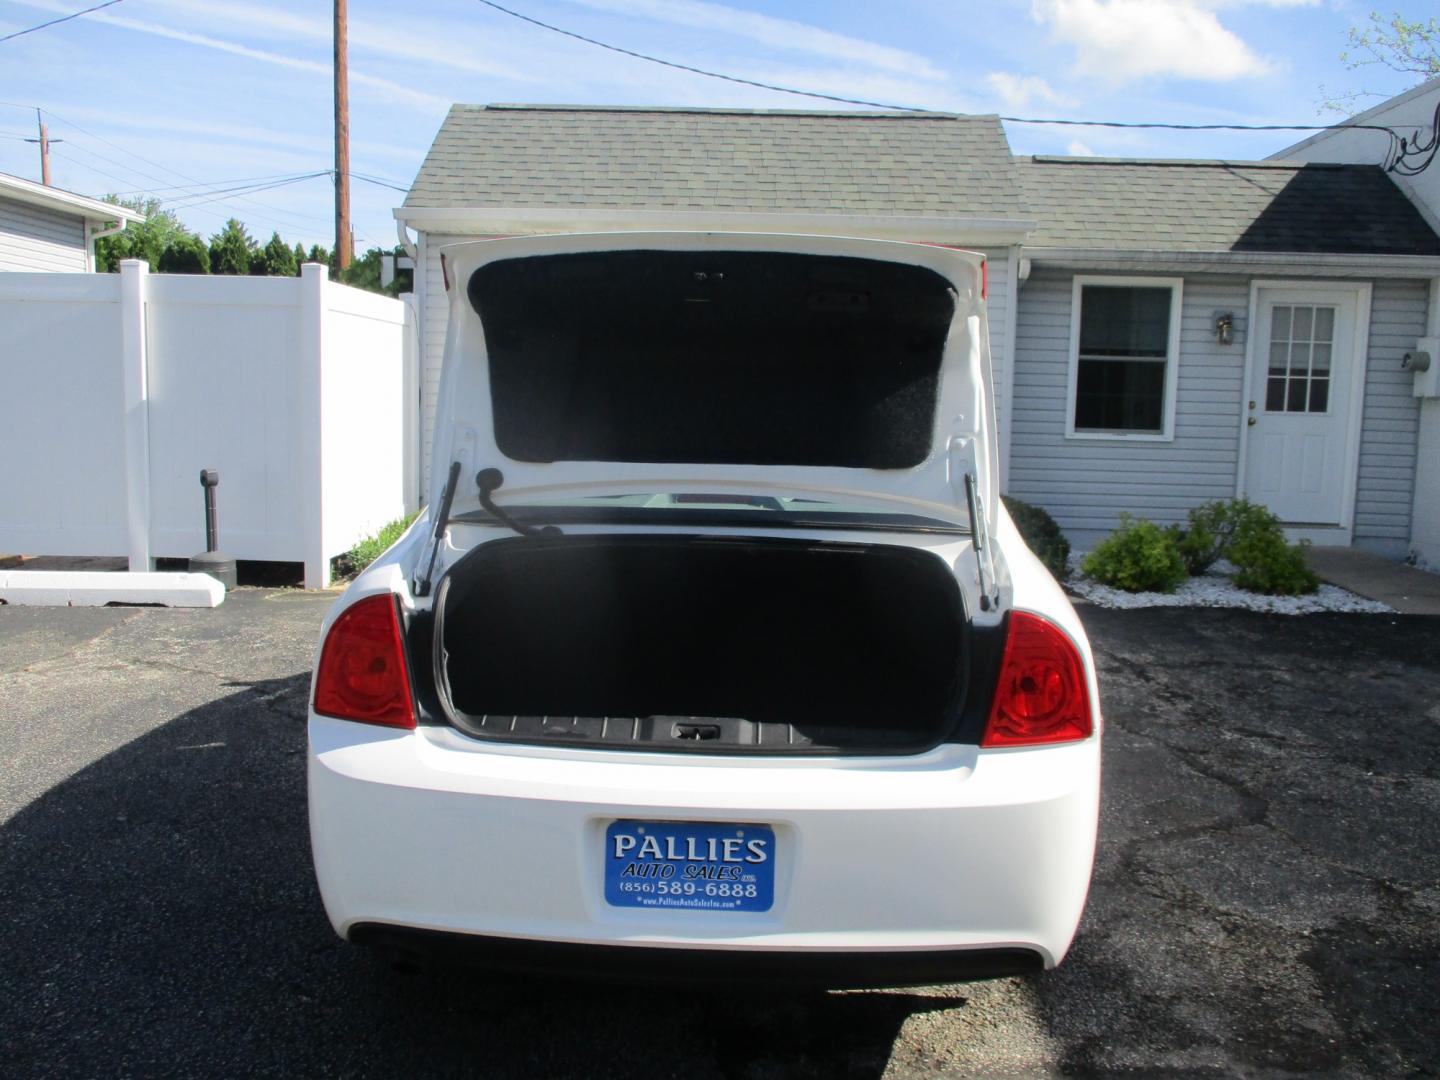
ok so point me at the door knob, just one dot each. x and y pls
(1251, 421)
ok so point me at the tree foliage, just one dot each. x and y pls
(276, 260)
(170, 248)
(1390, 41)
(186, 255)
(364, 273)
(146, 239)
(231, 249)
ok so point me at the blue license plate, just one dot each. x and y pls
(700, 866)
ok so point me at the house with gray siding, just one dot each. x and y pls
(1289, 293)
(1362, 140)
(1163, 332)
(46, 229)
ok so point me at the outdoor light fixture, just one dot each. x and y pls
(1225, 327)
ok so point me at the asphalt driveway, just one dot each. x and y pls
(1265, 902)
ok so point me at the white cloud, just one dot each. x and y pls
(1079, 149)
(783, 34)
(1120, 40)
(1017, 91)
(383, 87)
(398, 40)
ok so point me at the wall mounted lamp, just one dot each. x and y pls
(1225, 327)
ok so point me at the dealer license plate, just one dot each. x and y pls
(701, 866)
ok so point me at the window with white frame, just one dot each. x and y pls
(1125, 339)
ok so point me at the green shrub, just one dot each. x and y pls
(371, 548)
(1139, 556)
(1264, 562)
(1203, 542)
(1042, 535)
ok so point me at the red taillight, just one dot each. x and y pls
(1041, 696)
(362, 672)
(984, 279)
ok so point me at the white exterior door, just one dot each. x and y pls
(1302, 391)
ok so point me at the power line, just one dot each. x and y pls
(87, 165)
(696, 70)
(293, 222)
(912, 108)
(378, 182)
(182, 190)
(204, 198)
(57, 22)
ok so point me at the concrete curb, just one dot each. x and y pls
(79, 588)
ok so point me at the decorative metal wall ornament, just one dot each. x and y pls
(1412, 156)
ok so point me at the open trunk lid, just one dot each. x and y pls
(608, 365)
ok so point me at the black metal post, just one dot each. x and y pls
(210, 480)
(210, 561)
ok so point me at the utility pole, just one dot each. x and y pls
(44, 140)
(342, 141)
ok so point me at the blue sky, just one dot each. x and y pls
(161, 96)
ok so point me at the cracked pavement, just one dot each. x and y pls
(1265, 899)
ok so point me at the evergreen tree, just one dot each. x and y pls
(299, 256)
(277, 260)
(232, 249)
(186, 255)
(318, 254)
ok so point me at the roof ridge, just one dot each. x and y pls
(858, 114)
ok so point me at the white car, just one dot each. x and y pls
(716, 653)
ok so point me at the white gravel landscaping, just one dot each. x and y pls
(1215, 589)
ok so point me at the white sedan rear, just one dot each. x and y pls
(715, 653)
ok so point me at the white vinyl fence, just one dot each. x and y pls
(118, 389)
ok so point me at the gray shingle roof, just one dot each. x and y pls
(1128, 205)
(719, 160)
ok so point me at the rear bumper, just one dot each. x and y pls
(958, 850)
(639, 963)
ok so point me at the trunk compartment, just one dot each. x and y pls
(700, 643)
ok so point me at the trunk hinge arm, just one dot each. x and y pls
(967, 486)
(980, 541)
(437, 534)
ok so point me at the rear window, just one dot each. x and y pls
(758, 358)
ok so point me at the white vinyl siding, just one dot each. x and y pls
(434, 315)
(33, 238)
(1391, 421)
(1086, 483)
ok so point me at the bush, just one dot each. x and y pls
(1250, 537)
(1042, 535)
(371, 548)
(1264, 562)
(1210, 526)
(1139, 556)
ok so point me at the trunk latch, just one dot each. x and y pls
(696, 732)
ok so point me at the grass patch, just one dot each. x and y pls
(371, 548)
